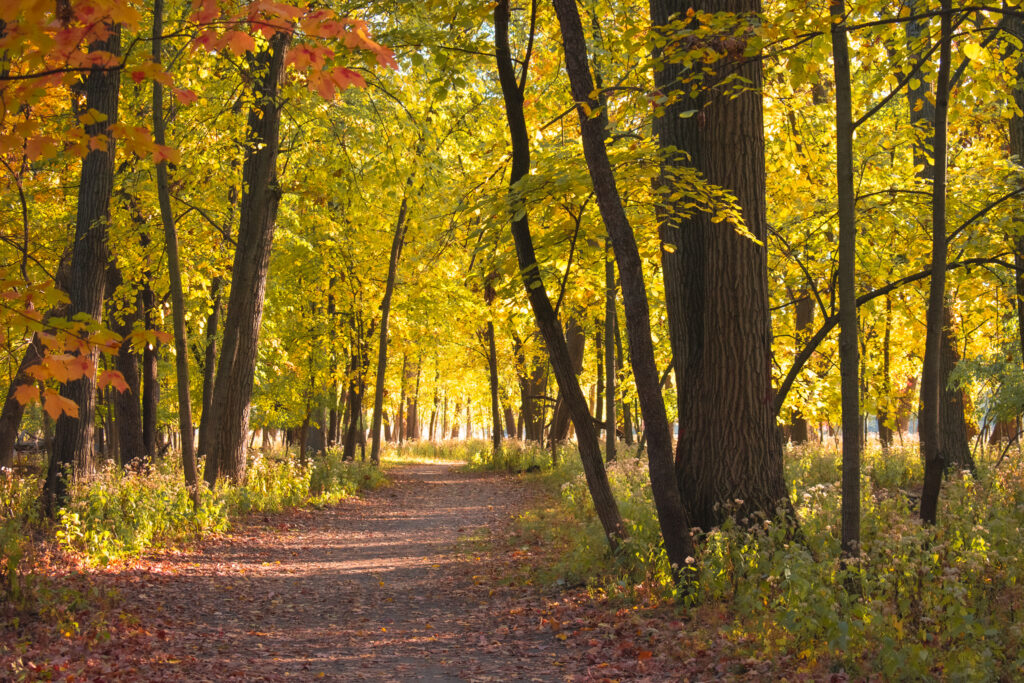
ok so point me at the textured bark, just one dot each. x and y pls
(150, 377)
(397, 242)
(716, 291)
(931, 390)
(73, 437)
(210, 365)
(260, 196)
(188, 456)
(127, 408)
(575, 341)
(1015, 26)
(672, 517)
(955, 443)
(547, 321)
(803, 323)
(846, 284)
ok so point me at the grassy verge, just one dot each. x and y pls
(940, 601)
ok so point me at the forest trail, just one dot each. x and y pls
(373, 589)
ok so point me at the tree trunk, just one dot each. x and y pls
(931, 389)
(492, 375)
(885, 400)
(848, 351)
(73, 437)
(210, 366)
(188, 456)
(260, 196)
(672, 517)
(385, 310)
(610, 327)
(150, 378)
(127, 411)
(547, 321)
(716, 286)
(575, 341)
(955, 443)
(627, 412)
(804, 322)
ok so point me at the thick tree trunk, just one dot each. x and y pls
(13, 410)
(955, 443)
(397, 242)
(73, 437)
(547, 321)
(260, 196)
(716, 286)
(672, 517)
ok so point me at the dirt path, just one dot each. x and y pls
(373, 589)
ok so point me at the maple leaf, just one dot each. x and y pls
(112, 378)
(54, 404)
(41, 147)
(185, 96)
(26, 393)
(238, 42)
(163, 153)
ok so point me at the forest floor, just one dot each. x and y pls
(410, 582)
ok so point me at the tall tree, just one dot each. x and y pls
(73, 436)
(229, 415)
(513, 91)
(672, 517)
(716, 282)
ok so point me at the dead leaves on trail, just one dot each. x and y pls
(379, 588)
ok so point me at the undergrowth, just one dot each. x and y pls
(941, 601)
(118, 514)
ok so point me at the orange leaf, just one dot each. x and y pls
(162, 153)
(54, 404)
(163, 337)
(112, 378)
(185, 96)
(26, 393)
(644, 654)
(239, 42)
(42, 147)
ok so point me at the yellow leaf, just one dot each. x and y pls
(972, 51)
(54, 404)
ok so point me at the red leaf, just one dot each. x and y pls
(112, 378)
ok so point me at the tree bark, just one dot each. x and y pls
(803, 322)
(73, 437)
(610, 327)
(210, 365)
(931, 389)
(672, 517)
(846, 284)
(955, 443)
(188, 456)
(575, 341)
(397, 243)
(260, 196)
(127, 407)
(885, 401)
(716, 284)
(150, 377)
(547, 321)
